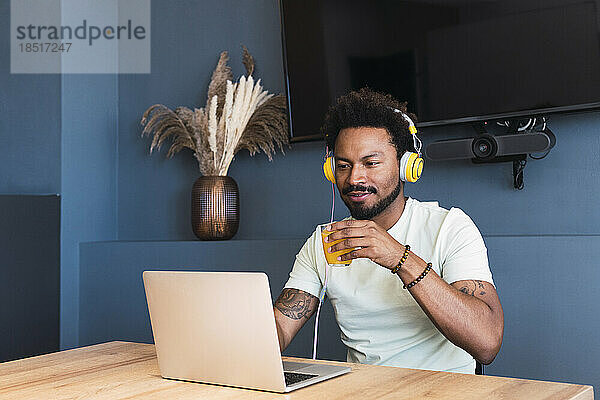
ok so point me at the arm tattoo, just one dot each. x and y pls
(473, 287)
(295, 304)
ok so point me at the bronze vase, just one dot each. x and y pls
(215, 208)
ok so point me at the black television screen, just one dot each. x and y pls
(452, 60)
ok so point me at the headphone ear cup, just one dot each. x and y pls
(329, 169)
(411, 167)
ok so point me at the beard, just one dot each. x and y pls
(359, 211)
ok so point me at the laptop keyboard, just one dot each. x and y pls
(295, 377)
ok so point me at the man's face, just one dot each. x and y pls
(366, 171)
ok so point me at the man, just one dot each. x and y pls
(438, 316)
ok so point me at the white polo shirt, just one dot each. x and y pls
(380, 322)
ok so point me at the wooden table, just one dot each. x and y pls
(122, 370)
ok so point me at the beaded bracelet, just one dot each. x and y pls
(402, 260)
(419, 278)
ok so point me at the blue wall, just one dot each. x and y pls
(89, 184)
(90, 151)
(61, 137)
(30, 136)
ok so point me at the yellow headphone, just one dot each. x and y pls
(411, 164)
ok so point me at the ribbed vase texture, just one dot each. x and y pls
(215, 208)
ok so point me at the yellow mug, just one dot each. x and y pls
(332, 257)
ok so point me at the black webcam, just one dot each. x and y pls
(486, 147)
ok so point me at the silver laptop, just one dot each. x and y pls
(219, 328)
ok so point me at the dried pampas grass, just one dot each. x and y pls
(238, 115)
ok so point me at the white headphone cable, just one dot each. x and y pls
(324, 289)
(321, 301)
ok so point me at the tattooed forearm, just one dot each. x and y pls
(473, 287)
(296, 304)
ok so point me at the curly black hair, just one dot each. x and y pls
(367, 108)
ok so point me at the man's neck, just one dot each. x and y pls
(388, 217)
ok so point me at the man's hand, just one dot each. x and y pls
(374, 242)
